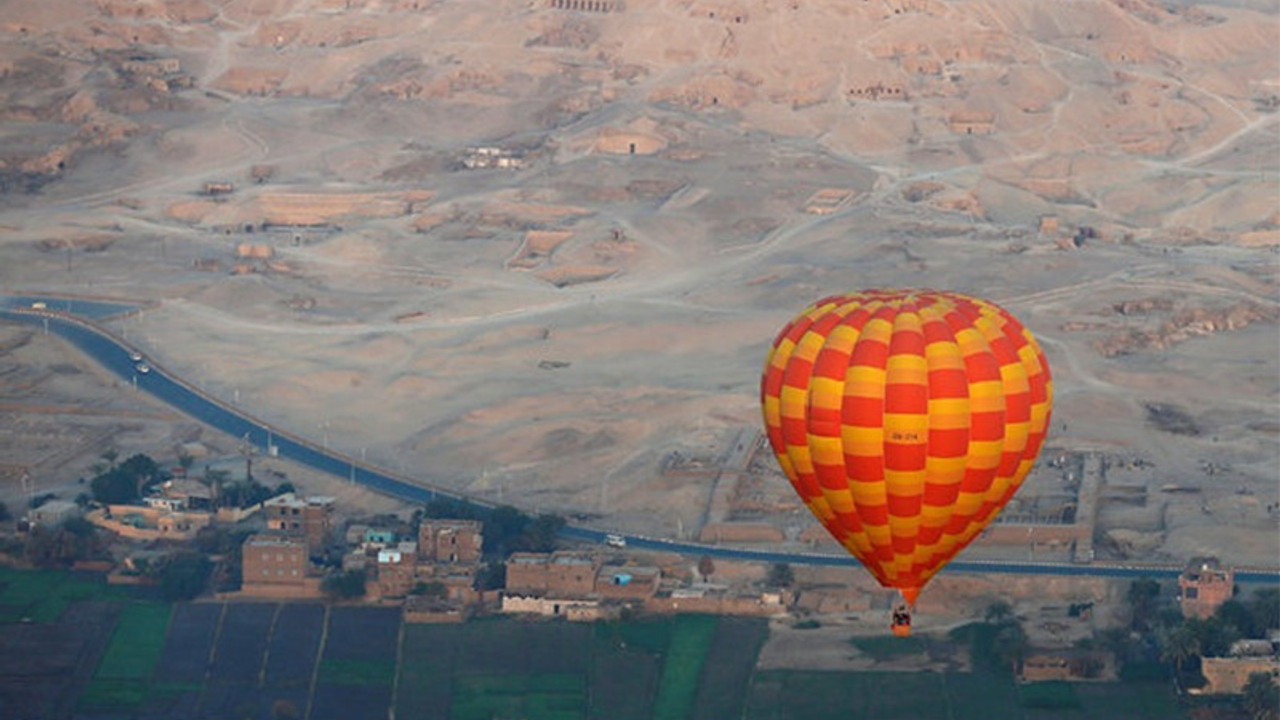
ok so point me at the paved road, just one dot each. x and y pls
(114, 354)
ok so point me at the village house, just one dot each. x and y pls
(1203, 587)
(450, 541)
(277, 566)
(396, 570)
(558, 574)
(446, 552)
(310, 518)
(179, 495)
(53, 513)
(574, 585)
(576, 610)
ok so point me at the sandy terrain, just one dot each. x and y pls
(652, 192)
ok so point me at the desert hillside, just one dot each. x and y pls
(536, 250)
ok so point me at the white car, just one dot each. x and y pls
(615, 541)
(143, 368)
(135, 356)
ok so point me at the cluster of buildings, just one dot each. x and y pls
(433, 572)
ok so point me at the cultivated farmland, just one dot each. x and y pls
(110, 656)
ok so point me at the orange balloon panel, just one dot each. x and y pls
(905, 420)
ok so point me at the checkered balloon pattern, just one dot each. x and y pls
(905, 420)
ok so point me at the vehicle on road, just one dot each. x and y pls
(143, 368)
(615, 541)
(135, 356)
(39, 306)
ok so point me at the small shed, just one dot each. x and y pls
(53, 513)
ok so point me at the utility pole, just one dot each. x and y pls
(28, 487)
(246, 449)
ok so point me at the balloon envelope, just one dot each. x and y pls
(905, 421)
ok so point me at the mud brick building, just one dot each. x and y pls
(1204, 586)
(309, 518)
(450, 541)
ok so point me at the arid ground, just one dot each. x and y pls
(532, 253)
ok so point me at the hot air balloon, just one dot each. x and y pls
(905, 420)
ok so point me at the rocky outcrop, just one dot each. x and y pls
(1184, 325)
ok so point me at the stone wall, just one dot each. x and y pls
(750, 606)
(156, 524)
(1228, 676)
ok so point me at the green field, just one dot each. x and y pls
(682, 669)
(43, 595)
(358, 672)
(536, 697)
(137, 642)
(789, 695)
(689, 667)
(123, 678)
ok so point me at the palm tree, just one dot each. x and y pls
(215, 479)
(1009, 644)
(1179, 645)
(998, 613)
(1262, 697)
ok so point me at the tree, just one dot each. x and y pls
(1178, 646)
(501, 528)
(1213, 635)
(1143, 594)
(1265, 608)
(441, 507)
(1237, 615)
(780, 576)
(491, 576)
(124, 483)
(1009, 644)
(706, 567)
(435, 590)
(215, 479)
(183, 576)
(74, 540)
(541, 535)
(1262, 697)
(344, 584)
(998, 613)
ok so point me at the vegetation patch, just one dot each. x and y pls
(650, 635)
(623, 676)
(43, 595)
(358, 672)
(1131, 701)
(1053, 695)
(111, 694)
(136, 643)
(536, 697)
(682, 668)
(883, 647)
(730, 662)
